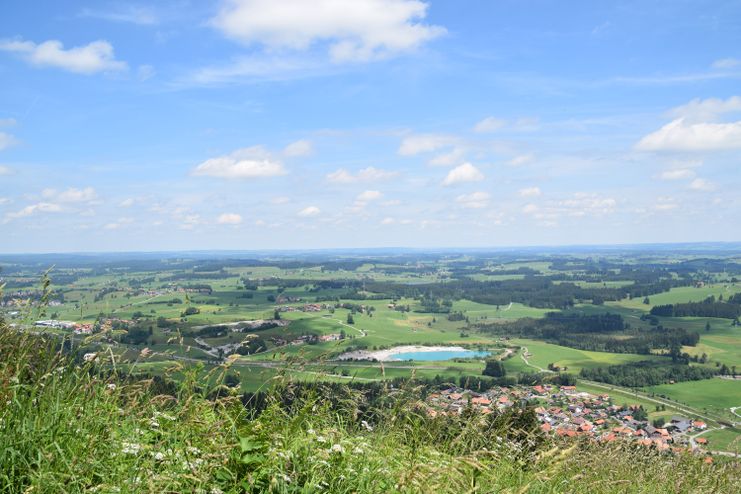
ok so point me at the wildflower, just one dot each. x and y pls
(367, 426)
(311, 432)
(216, 490)
(337, 448)
(285, 478)
(164, 416)
(159, 456)
(111, 387)
(321, 439)
(146, 352)
(357, 450)
(90, 357)
(130, 448)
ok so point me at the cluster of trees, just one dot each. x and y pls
(598, 332)
(646, 373)
(707, 308)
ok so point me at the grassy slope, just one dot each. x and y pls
(65, 429)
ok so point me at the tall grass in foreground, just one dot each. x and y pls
(66, 426)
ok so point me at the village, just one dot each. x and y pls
(566, 412)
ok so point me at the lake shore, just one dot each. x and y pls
(389, 354)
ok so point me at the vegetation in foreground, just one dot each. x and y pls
(75, 426)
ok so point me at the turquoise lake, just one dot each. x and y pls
(439, 355)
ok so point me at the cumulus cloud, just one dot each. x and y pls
(71, 195)
(702, 185)
(252, 162)
(370, 174)
(489, 124)
(301, 147)
(120, 223)
(369, 195)
(41, 207)
(463, 173)
(703, 110)
(475, 200)
(229, 219)
(697, 127)
(5, 170)
(678, 135)
(522, 159)
(578, 205)
(423, 143)
(7, 140)
(355, 31)
(94, 57)
(309, 211)
(7, 122)
(530, 192)
(677, 174)
(448, 159)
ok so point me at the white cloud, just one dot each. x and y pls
(127, 203)
(522, 159)
(97, 56)
(530, 209)
(370, 174)
(145, 72)
(583, 204)
(448, 159)
(463, 173)
(229, 219)
(726, 63)
(678, 174)
(309, 211)
(4, 201)
(423, 143)
(388, 221)
(121, 222)
(133, 14)
(5, 170)
(702, 184)
(704, 110)
(678, 135)
(301, 147)
(253, 162)
(42, 207)
(696, 127)
(7, 140)
(369, 195)
(530, 192)
(475, 200)
(72, 194)
(489, 124)
(354, 31)
(7, 122)
(280, 200)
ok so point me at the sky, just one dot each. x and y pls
(289, 124)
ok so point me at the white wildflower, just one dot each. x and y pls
(321, 439)
(130, 448)
(367, 426)
(159, 456)
(337, 448)
(111, 387)
(89, 357)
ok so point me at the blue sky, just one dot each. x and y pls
(252, 124)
